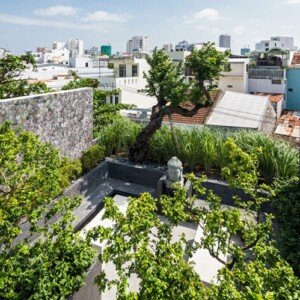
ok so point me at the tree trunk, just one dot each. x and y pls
(139, 150)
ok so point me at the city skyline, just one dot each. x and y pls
(27, 25)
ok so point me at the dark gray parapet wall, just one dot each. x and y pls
(64, 118)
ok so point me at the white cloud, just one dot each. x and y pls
(209, 14)
(214, 30)
(103, 16)
(293, 1)
(56, 10)
(238, 29)
(13, 19)
(287, 27)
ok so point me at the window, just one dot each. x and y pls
(229, 86)
(122, 71)
(111, 99)
(276, 81)
(290, 90)
(267, 44)
(86, 65)
(134, 70)
(247, 68)
(116, 99)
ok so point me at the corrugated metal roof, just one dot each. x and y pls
(238, 110)
(289, 125)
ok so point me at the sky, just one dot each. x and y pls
(27, 24)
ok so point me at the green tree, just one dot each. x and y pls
(11, 67)
(40, 258)
(103, 114)
(166, 83)
(287, 206)
(141, 243)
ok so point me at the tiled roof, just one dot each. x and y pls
(296, 59)
(198, 118)
(289, 125)
(273, 98)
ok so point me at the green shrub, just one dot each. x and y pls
(90, 158)
(70, 170)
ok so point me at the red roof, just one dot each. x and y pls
(296, 59)
(198, 119)
(289, 125)
(273, 98)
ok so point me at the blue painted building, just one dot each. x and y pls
(293, 84)
(245, 51)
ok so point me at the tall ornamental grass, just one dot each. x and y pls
(203, 147)
(276, 158)
(118, 136)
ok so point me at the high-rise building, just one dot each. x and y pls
(138, 44)
(225, 41)
(106, 49)
(75, 47)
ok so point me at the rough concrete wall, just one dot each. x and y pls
(268, 121)
(64, 119)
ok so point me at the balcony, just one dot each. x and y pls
(267, 73)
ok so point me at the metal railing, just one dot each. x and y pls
(266, 73)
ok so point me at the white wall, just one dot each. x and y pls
(238, 84)
(236, 80)
(265, 86)
(128, 96)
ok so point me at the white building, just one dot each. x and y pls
(267, 72)
(225, 41)
(75, 47)
(3, 52)
(138, 44)
(283, 42)
(128, 78)
(58, 45)
(56, 56)
(168, 47)
(236, 79)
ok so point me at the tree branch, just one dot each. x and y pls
(186, 112)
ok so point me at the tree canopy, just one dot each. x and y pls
(11, 85)
(40, 257)
(166, 82)
(141, 243)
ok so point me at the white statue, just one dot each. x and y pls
(174, 173)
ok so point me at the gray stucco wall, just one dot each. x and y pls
(64, 119)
